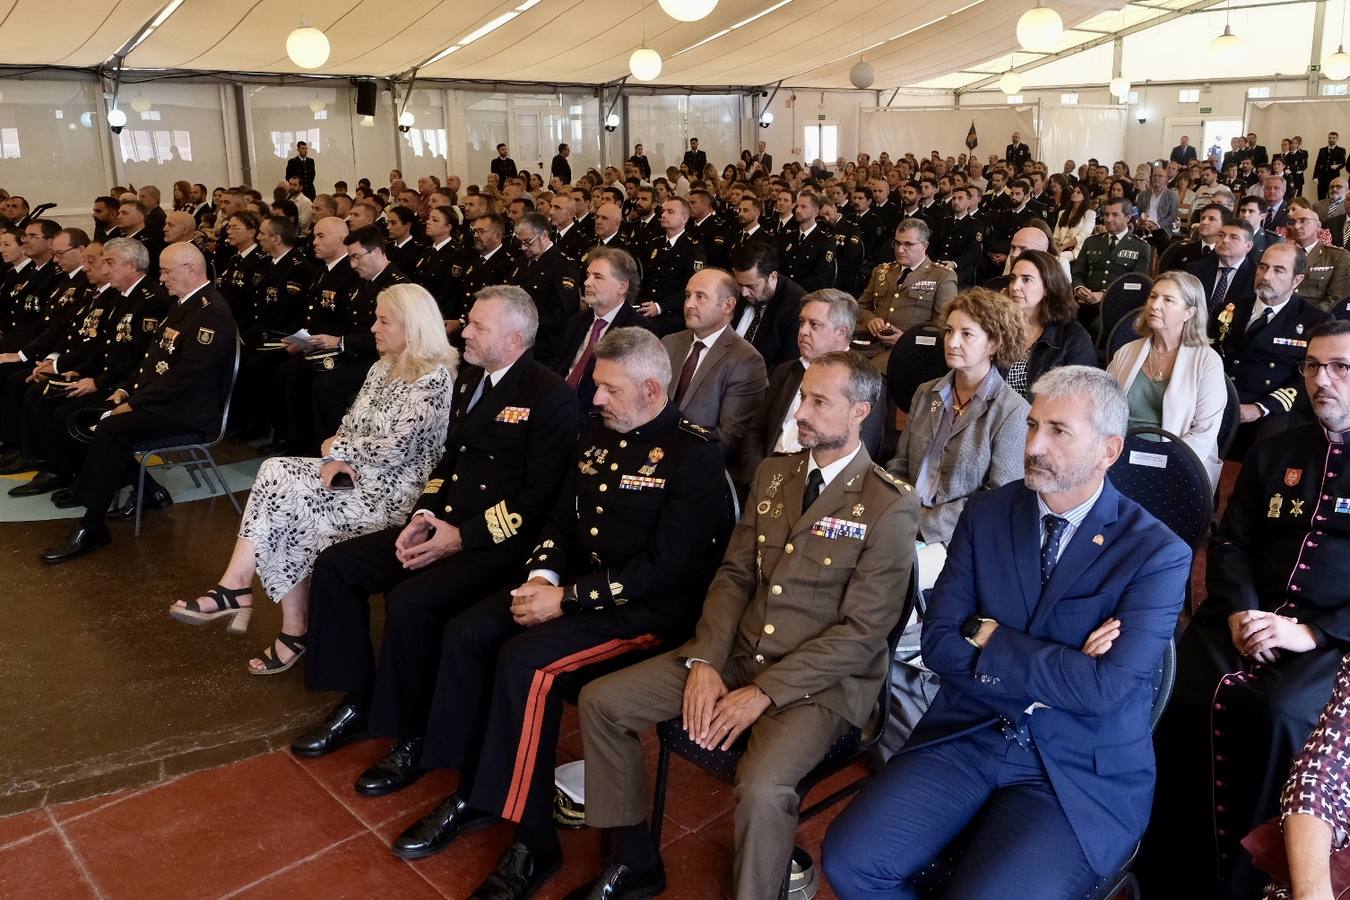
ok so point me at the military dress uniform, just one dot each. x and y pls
(67, 295)
(1102, 260)
(636, 534)
(904, 298)
(405, 256)
(1296, 163)
(553, 281)
(575, 242)
(1233, 724)
(665, 272)
(479, 272)
(433, 272)
(962, 243)
(279, 310)
(240, 279)
(715, 239)
(505, 458)
(809, 260)
(1330, 162)
(1328, 280)
(848, 256)
(25, 296)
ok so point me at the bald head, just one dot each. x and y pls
(607, 220)
(329, 235)
(179, 226)
(1025, 239)
(182, 269)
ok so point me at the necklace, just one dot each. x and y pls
(957, 406)
(1158, 373)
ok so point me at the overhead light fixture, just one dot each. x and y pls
(862, 75)
(406, 120)
(141, 104)
(1040, 29)
(483, 31)
(307, 46)
(1010, 82)
(1337, 65)
(116, 120)
(317, 106)
(1120, 88)
(645, 64)
(611, 122)
(1225, 47)
(688, 10)
(765, 119)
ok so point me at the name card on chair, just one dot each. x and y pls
(925, 340)
(1155, 460)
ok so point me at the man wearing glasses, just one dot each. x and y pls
(908, 292)
(550, 277)
(491, 261)
(1260, 658)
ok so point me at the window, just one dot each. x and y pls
(1014, 99)
(150, 115)
(1334, 90)
(1069, 99)
(60, 114)
(1258, 93)
(820, 142)
(321, 115)
(9, 143)
(1188, 95)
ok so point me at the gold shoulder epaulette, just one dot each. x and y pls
(898, 483)
(694, 428)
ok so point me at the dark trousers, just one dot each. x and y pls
(499, 696)
(333, 391)
(1019, 841)
(12, 377)
(417, 604)
(289, 404)
(46, 430)
(109, 465)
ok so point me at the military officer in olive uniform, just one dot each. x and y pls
(791, 644)
(908, 292)
(181, 386)
(1106, 257)
(1328, 280)
(808, 250)
(550, 277)
(671, 260)
(1258, 661)
(619, 569)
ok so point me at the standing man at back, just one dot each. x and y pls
(301, 166)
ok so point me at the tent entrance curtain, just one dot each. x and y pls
(919, 131)
(1080, 133)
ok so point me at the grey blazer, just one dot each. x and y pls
(985, 450)
(1168, 207)
(727, 389)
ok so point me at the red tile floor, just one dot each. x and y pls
(277, 826)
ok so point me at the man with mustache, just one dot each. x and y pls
(1260, 658)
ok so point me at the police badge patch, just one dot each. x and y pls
(205, 335)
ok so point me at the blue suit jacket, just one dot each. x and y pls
(1094, 739)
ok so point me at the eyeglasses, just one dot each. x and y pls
(362, 255)
(1336, 369)
(908, 245)
(525, 242)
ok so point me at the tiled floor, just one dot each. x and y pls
(278, 827)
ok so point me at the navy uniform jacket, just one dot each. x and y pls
(1096, 266)
(876, 237)
(642, 519)
(503, 167)
(666, 270)
(505, 458)
(328, 296)
(575, 243)
(475, 273)
(432, 270)
(357, 341)
(553, 281)
(1263, 363)
(279, 305)
(24, 303)
(1093, 733)
(66, 300)
(848, 256)
(962, 243)
(407, 256)
(715, 240)
(240, 280)
(809, 260)
(85, 334)
(1330, 161)
(185, 375)
(138, 315)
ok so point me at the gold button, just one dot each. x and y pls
(449, 509)
(599, 510)
(482, 487)
(603, 488)
(462, 448)
(761, 539)
(776, 589)
(623, 444)
(613, 467)
(594, 532)
(759, 657)
(826, 560)
(455, 477)
(769, 629)
(787, 549)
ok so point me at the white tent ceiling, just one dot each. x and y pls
(806, 42)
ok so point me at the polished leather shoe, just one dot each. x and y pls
(400, 767)
(80, 541)
(64, 499)
(157, 497)
(619, 882)
(344, 724)
(433, 832)
(18, 465)
(42, 483)
(519, 874)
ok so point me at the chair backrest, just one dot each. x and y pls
(998, 283)
(917, 357)
(892, 642)
(1163, 475)
(1124, 294)
(1164, 680)
(1231, 414)
(1122, 334)
(229, 395)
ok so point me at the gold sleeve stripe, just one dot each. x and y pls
(434, 486)
(1286, 397)
(502, 523)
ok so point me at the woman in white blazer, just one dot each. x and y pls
(1172, 378)
(1074, 223)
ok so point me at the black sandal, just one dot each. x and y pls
(227, 606)
(271, 664)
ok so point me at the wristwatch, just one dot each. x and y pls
(971, 627)
(570, 602)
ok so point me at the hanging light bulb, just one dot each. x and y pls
(1010, 82)
(862, 75)
(367, 121)
(1120, 87)
(116, 118)
(1040, 29)
(1337, 65)
(141, 104)
(765, 119)
(1225, 47)
(406, 119)
(307, 46)
(317, 106)
(645, 64)
(688, 10)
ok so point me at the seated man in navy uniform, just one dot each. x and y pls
(1260, 658)
(620, 568)
(179, 388)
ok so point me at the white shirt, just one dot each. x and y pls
(808, 231)
(708, 343)
(1074, 517)
(788, 441)
(490, 380)
(830, 472)
(441, 244)
(1259, 308)
(488, 255)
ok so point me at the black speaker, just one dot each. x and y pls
(366, 92)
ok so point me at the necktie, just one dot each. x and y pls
(579, 370)
(687, 372)
(815, 483)
(1257, 324)
(1206, 250)
(483, 387)
(1054, 531)
(1345, 233)
(904, 273)
(1221, 287)
(756, 315)
(1111, 245)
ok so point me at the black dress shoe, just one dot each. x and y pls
(400, 767)
(155, 498)
(19, 464)
(64, 499)
(519, 874)
(619, 882)
(433, 832)
(80, 541)
(344, 724)
(42, 483)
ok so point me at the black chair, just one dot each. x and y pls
(197, 446)
(852, 746)
(916, 358)
(1127, 292)
(998, 284)
(1163, 475)
(1231, 417)
(1122, 334)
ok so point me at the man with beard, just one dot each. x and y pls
(1046, 627)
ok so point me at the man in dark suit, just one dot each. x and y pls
(1228, 274)
(766, 310)
(612, 282)
(639, 159)
(763, 157)
(181, 386)
(1256, 152)
(1017, 153)
(1330, 163)
(695, 159)
(132, 220)
(301, 166)
(1047, 627)
(560, 167)
(1183, 152)
(503, 166)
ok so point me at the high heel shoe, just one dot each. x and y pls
(227, 606)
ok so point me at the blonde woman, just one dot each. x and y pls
(369, 478)
(1172, 377)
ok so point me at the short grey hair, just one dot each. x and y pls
(521, 313)
(864, 381)
(918, 225)
(640, 352)
(1110, 409)
(129, 250)
(843, 308)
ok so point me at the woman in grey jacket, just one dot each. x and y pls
(967, 429)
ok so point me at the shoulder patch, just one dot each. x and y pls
(692, 428)
(897, 483)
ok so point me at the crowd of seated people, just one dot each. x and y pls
(525, 414)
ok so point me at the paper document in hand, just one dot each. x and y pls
(302, 337)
